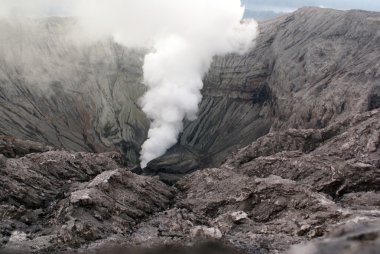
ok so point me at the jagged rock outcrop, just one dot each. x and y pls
(286, 188)
(13, 147)
(56, 201)
(316, 190)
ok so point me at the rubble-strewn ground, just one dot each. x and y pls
(57, 200)
(287, 188)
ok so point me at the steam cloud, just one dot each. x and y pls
(174, 71)
(182, 35)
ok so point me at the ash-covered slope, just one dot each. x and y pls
(58, 88)
(308, 68)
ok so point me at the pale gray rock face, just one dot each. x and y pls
(308, 69)
(59, 89)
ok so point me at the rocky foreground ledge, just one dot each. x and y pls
(297, 191)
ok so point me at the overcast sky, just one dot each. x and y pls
(63, 7)
(291, 5)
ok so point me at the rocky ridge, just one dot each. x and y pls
(287, 187)
(308, 69)
(317, 188)
(59, 201)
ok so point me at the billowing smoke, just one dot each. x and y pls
(183, 36)
(174, 70)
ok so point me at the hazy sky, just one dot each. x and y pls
(290, 5)
(63, 7)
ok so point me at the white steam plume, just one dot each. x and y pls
(174, 71)
(184, 35)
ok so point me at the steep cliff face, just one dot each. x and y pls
(59, 89)
(308, 69)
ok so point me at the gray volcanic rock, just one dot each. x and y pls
(291, 131)
(350, 239)
(284, 189)
(57, 201)
(318, 188)
(59, 88)
(308, 69)
(12, 147)
(346, 153)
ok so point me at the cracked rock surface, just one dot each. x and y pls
(297, 191)
(285, 189)
(57, 201)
